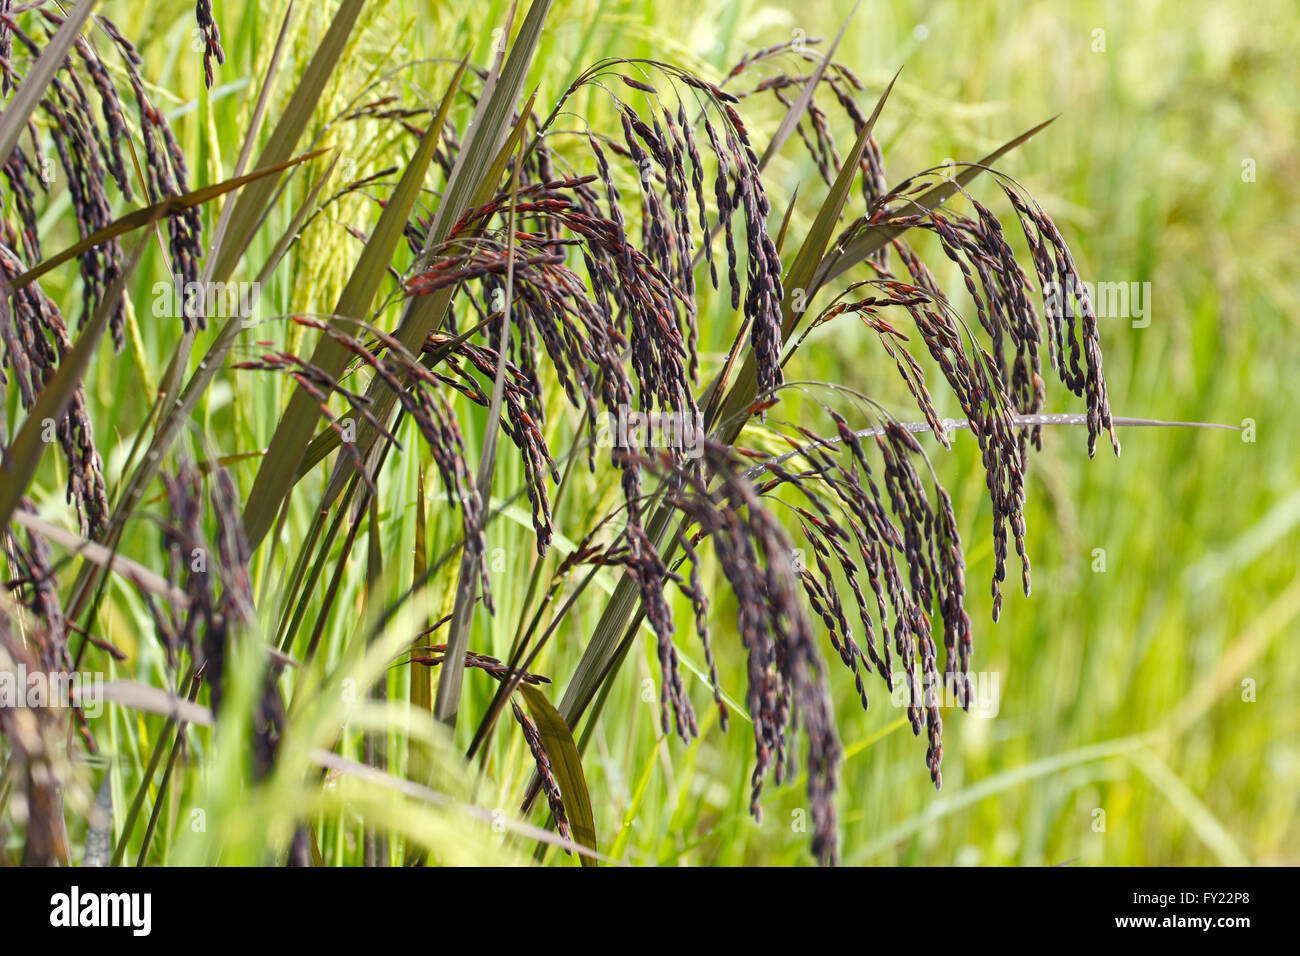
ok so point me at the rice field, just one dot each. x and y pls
(352, 572)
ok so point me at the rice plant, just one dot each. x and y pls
(340, 581)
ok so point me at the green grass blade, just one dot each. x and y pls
(634, 806)
(151, 214)
(474, 178)
(490, 126)
(567, 765)
(248, 209)
(1199, 816)
(996, 784)
(276, 476)
(250, 136)
(451, 676)
(801, 271)
(874, 240)
(421, 678)
(128, 570)
(800, 105)
(425, 315)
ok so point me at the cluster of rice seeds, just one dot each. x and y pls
(876, 539)
(999, 288)
(19, 172)
(950, 581)
(79, 145)
(211, 34)
(436, 421)
(686, 155)
(785, 681)
(988, 396)
(166, 173)
(649, 572)
(38, 758)
(904, 540)
(913, 560)
(635, 313)
(522, 421)
(586, 345)
(824, 598)
(765, 293)
(79, 153)
(668, 152)
(659, 151)
(1008, 312)
(640, 285)
(37, 590)
(1056, 269)
(6, 48)
(695, 593)
(550, 786)
(820, 145)
(549, 303)
(542, 309)
(846, 87)
(235, 607)
(987, 386)
(782, 650)
(233, 553)
(1009, 377)
(722, 197)
(115, 132)
(184, 543)
(675, 133)
(88, 143)
(828, 538)
(917, 520)
(214, 576)
(35, 341)
(980, 391)
(627, 317)
(423, 402)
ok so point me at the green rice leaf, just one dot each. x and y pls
(296, 426)
(567, 765)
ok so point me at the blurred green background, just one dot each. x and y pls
(1147, 711)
